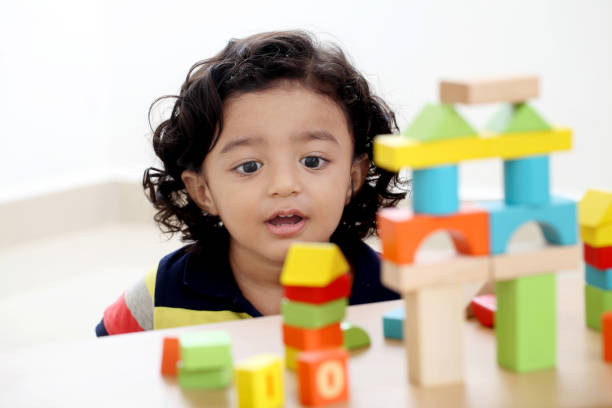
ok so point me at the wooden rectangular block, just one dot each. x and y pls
(259, 382)
(313, 316)
(323, 377)
(597, 302)
(509, 89)
(597, 237)
(170, 356)
(393, 323)
(204, 379)
(313, 339)
(205, 350)
(598, 257)
(291, 358)
(339, 288)
(549, 258)
(606, 333)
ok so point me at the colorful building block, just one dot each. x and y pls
(338, 288)
(313, 339)
(557, 219)
(519, 117)
(205, 379)
(526, 181)
(435, 190)
(524, 263)
(438, 122)
(313, 264)
(171, 355)
(525, 323)
(205, 350)
(485, 90)
(601, 278)
(291, 358)
(393, 324)
(597, 237)
(595, 209)
(401, 231)
(259, 382)
(354, 336)
(606, 334)
(597, 302)
(313, 316)
(484, 308)
(600, 258)
(323, 377)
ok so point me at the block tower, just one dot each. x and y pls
(433, 146)
(595, 218)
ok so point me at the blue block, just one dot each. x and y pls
(393, 324)
(557, 219)
(526, 181)
(601, 278)
(435, 191)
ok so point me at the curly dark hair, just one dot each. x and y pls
(251, 64)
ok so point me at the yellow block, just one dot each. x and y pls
(313, 264)
(597, 237)
(595, 209)
(259, 382)
(291, 358)
(392, 152)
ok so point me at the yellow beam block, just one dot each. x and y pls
(313, 264)
(259, 382)
(597, 237)
(392, 152)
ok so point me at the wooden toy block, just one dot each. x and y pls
(551, 257)
(313, 316)
(313, 264)
(525, 323)
(393, 323)
(206, 379)
(606, 325)
(354, 336)
(323, 377)
(597, 237)
(486, 90)
(435, 190)
(518, 117)
(259, 382)
(447, 270)
(597, 302)
(393, 152)
(401, 231)
(600, 258)
(595, 209)
(526, 181)
(484, 308)
(291, 358)
(205, 350)
(339, 288)
(170, 356)
(557, 219)
(434, 319)
(438, 122)
(601, 278)
(313, 339)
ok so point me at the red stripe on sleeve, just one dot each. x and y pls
(118, 318)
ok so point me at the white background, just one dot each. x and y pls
(77, 77)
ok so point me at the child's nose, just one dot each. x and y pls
(284, 182)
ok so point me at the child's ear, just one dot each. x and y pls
(359, 172)
(198, 190)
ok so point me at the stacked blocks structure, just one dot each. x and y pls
(595, 219)
(206, 360)
(317, 285)
(433, 146)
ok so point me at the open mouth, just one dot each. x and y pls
(285, 219)
(286, 223)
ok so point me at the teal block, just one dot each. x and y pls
(205, 379)
(601, 278)
(435, 190)
(557, 219)
(393, 323)
(526, 181)
(597, 301)
(205, 350)
(525, 323)
(313, 316)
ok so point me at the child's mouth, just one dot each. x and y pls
(282, 220)
(287, 224)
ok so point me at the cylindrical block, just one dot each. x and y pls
(435, 190)
(527, 181)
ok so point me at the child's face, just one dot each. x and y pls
(282, 170)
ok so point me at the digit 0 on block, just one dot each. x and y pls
(323, 377)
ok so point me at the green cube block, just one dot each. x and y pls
(354, 336)
(206, 379)
(597, 302)
(205, 350)
(525, 323)
(312, 316)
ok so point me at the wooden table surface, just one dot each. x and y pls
(124, 370)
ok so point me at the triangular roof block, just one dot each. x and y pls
(595, 209)
(518, 117)
(439, 122)
(313, 264)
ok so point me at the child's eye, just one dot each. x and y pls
(313, 162)
(248, 167)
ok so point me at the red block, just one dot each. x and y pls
(606, 332)
(339, 288)
(484, 308)
(600, 258)
(313, 339)
(323, 376)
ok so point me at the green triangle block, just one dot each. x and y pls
(517, 118)
(439, 122)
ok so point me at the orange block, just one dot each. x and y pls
(171, 354)
(606, 331)
(401, 231)
(313, 339)
(323, 377)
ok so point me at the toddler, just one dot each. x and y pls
(268, 143)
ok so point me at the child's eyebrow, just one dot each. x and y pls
(316, 135)
(242, 141)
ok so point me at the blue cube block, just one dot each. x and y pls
(601, 278)
(393, 323)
